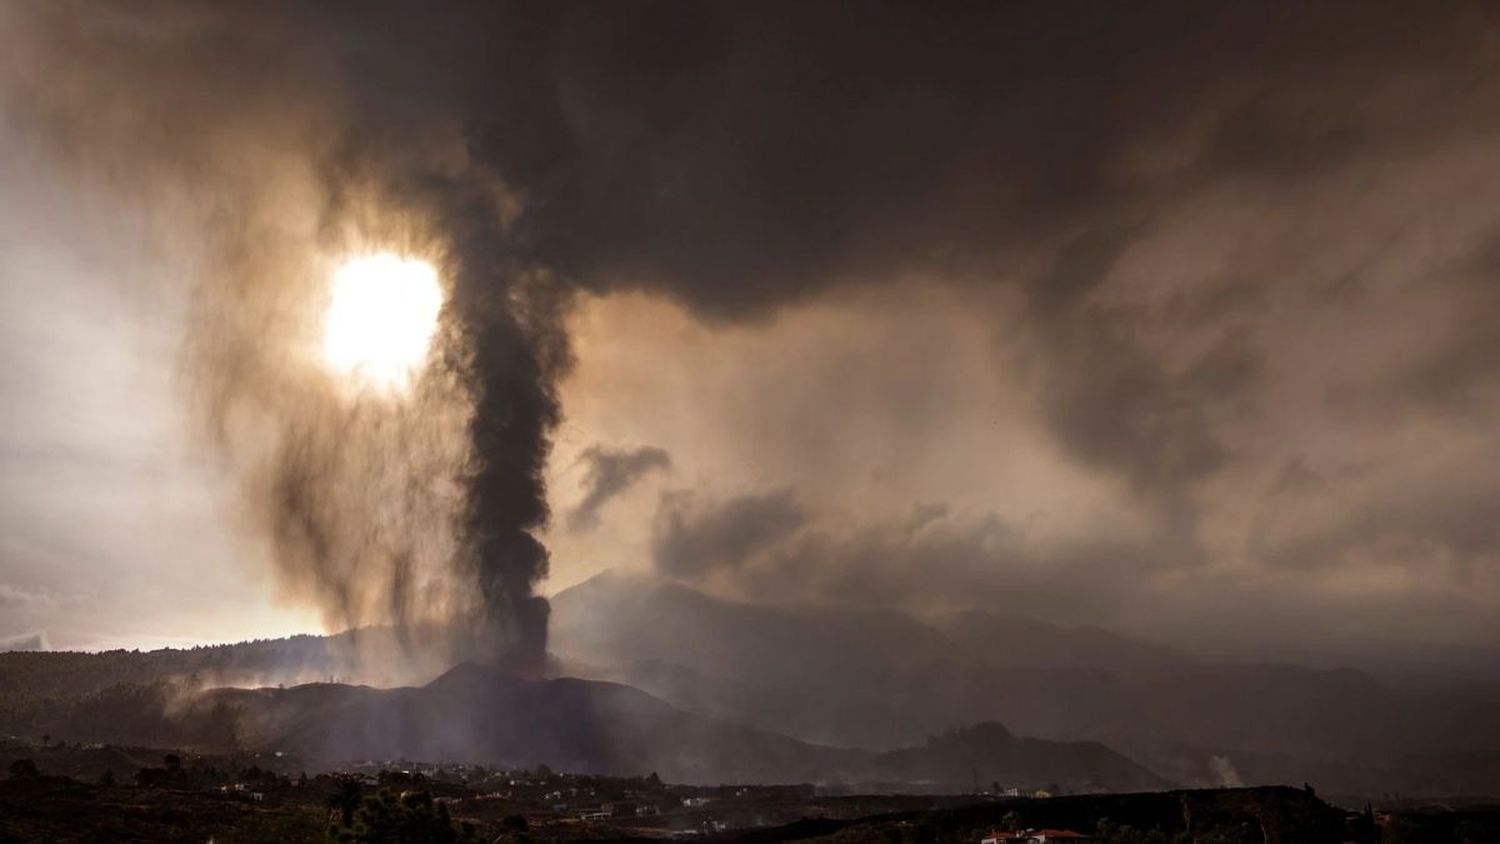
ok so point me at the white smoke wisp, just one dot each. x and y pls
(1224, 773)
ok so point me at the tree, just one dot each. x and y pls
(346, 797)
(410, 817)
(151, 777)
(24, 769)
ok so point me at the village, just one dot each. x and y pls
(137, 793)
(493, 801)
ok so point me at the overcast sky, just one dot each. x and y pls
(111, 531)
(1180, 319)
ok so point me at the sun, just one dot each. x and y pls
(381, 318)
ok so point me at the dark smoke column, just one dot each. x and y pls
(509, 318)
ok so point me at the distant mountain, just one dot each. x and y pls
(485, 715)
(833, 678)
(877, 681)
(991, 754)
(292, 660)
(475, 714)
(883, 680)
(1008, 641)
(616, 615)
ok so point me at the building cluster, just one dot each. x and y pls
(1039, 836)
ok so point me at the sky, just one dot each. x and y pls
(1178, 319)
(114, 533)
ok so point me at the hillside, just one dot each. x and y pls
(883, 681)
(473, 714)
(878, 681)
(991, 754)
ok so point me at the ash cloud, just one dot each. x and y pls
(1225, 775)
(693, 538)
(1152, 201)
(259, 164)
(610, 473)
(773, 548)
(26, 642)
(20, 598)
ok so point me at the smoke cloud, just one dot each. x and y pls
(26, 642)
(610, 473)
(1156, 211)
(693, 538)
(1225, 775)
(261, 168)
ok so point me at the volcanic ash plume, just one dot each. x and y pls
(261, 167)
(412, 506)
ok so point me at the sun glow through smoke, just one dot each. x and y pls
(381, 318)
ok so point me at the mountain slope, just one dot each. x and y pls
(883, 681)
(991, 754)
(474, 714)
(876, 679)
(872, 679)
(1006, 641)
(484, 715)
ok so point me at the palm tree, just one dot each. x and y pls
(346, 797)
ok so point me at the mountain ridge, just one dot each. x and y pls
(1196, 719)
(477, 714)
